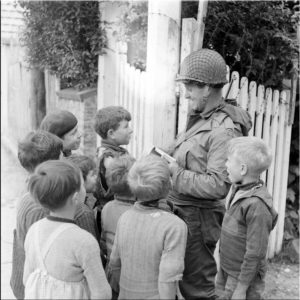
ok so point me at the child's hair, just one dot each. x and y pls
(149, 178)
(109, 118)
(117, 173)
(253, 151)
(37, 147)
(84, 163)
(53, 182)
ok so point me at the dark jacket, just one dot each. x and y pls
(246, 227)
(103, 194)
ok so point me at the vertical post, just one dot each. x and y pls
(107, 68)
(162, 66)
(202, 11)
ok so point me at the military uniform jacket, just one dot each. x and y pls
(201, 179)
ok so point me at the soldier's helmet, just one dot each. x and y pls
(204, 66)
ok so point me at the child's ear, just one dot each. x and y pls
(75, 198)
(244, 169)
(110, 133)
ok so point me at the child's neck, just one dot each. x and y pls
(64, 212)
(249, 179)
(111, 142)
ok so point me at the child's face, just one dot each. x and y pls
(90, 181)
(72, 139)
(122, 135)
(234, 168)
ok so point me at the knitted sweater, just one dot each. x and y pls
(110, 216)
(149, 248)
(29, 212)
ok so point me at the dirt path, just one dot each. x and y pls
(282, 281)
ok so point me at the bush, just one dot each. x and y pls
(64, 37)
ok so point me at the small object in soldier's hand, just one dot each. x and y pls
(161, 153)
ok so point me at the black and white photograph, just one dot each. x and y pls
(150, 149)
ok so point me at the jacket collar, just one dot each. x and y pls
(202, 124)
(113, 147)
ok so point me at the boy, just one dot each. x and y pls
(116, 175)
(111, 124)
(247, 223)
(147, 258)
(62, 260)
(63, 124)
(88, 168)
(36, 148)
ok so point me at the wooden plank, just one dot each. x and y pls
(141, 137)
(189, 26)
(285, 130)
(252, 105)
(260, 108)
(243, 94)
(274, 176)
(118, 76)
(267, 124)
(199, 34)
(226, 86)
(233, 94)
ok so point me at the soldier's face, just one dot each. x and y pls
(197, 95)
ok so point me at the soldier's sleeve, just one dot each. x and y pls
(213, 184)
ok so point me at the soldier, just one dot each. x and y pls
(199, 176)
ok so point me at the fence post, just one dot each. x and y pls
(162, 66)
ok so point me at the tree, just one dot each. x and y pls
(64, 37)
(256, 38)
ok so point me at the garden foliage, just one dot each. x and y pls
(256, 38)
(64, 37)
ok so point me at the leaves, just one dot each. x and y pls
(66, 38)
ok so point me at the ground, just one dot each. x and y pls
(282, 281)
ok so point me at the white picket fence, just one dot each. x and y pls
(269, 112)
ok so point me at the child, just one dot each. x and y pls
(88, 170)
(62, 260)
(147, 258)
(37, 147)
(247, 223)
(116, 174)
(111, 124)
(63, 124)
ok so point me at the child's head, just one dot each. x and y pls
(117, 173)
(37, 147)
(248, 157)
(111, 123)
(149, 178)
(54, 182)
(63, 124)
(88, 170)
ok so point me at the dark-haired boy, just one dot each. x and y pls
(37, 147)
(111, 124)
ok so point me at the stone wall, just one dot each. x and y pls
(84, 106)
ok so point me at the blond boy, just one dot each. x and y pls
(247, 223)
